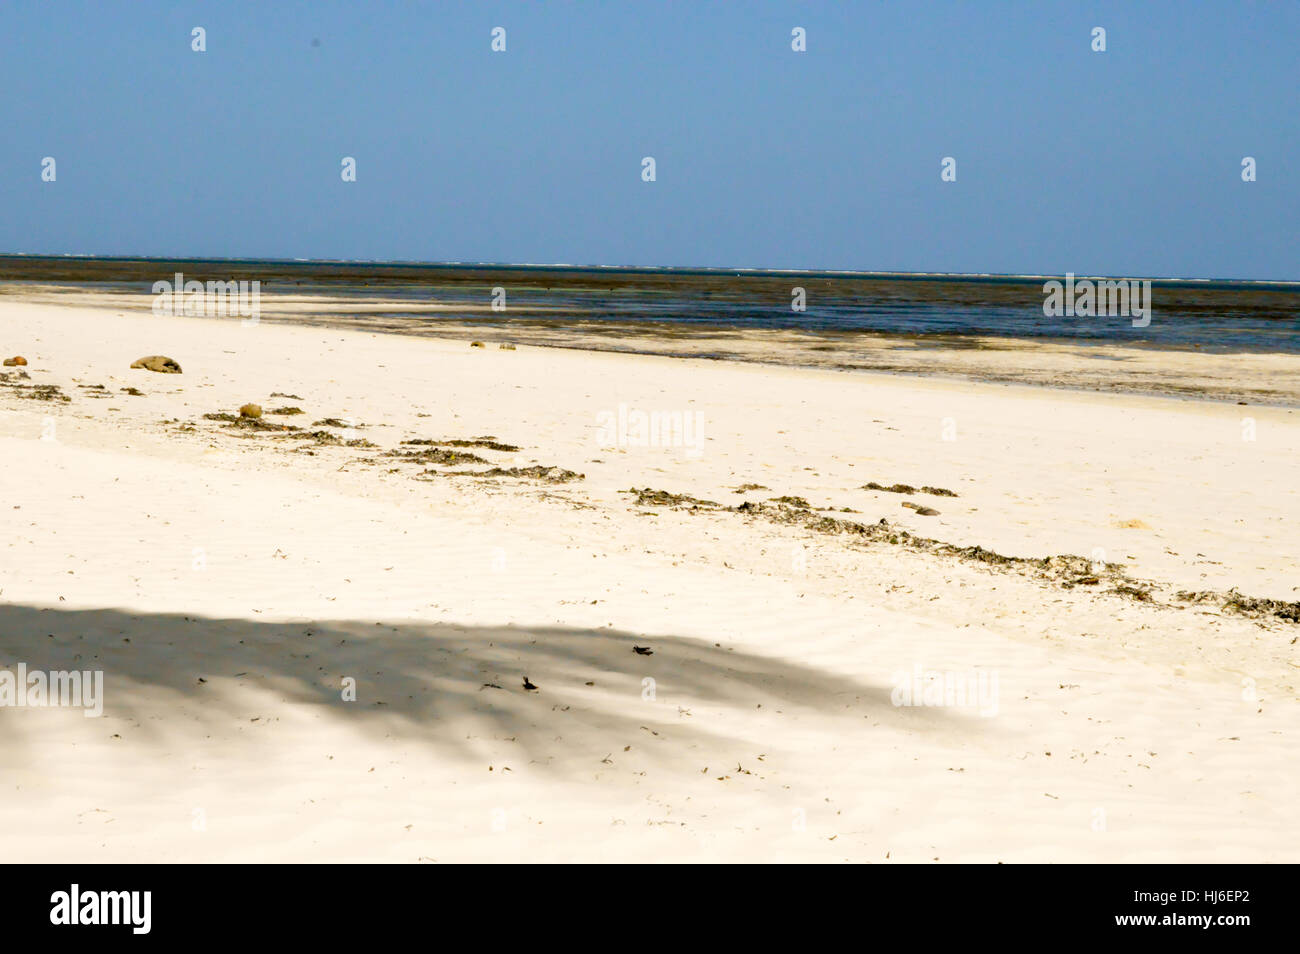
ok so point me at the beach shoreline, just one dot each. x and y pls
(1253, 377)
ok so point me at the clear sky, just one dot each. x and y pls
(1123, 162)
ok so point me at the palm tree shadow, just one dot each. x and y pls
(437, 683)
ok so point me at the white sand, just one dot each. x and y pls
(1124, 731)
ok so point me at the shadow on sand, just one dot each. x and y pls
(437, 683)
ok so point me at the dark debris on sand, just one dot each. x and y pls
(661, 498)
(435, 455)
(239, 422)
(1244, 605)
(331, 439)
(255, 425)
(923, 511)
(908, 489)
(485, 442)
(548, 475)
(797, 502)
(893, 488)
(1064, 570)
(32, 392)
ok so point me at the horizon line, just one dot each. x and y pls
(738, 270)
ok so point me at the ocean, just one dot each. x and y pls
(943, 310)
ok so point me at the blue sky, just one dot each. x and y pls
(1123, 162)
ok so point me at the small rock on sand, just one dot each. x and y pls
(157, 362)
(250, 410)
(15, 361)
(477, 344)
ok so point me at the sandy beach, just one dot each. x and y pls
(316, 629)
